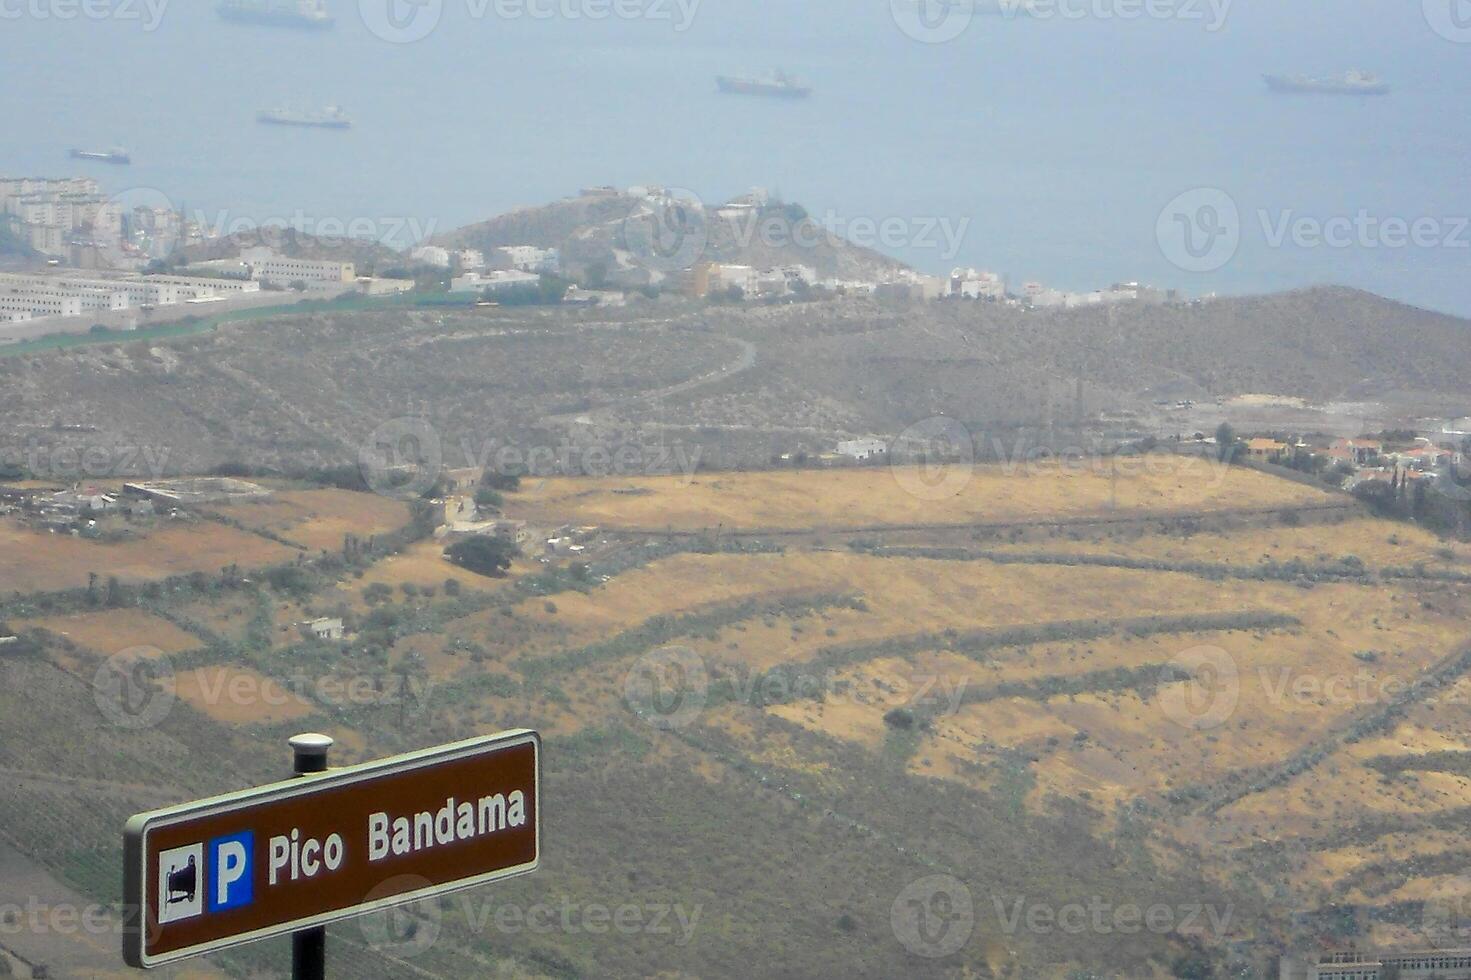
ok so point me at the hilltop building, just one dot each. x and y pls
(1442, 964)
(863, 449)
(282, 271)
(475, 282)
(529, 258)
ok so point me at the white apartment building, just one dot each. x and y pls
(976, 284)
(139, 292)
(15, 316)
(742, 277)
(472, 258)
(90, 299)
(286, 271)
(862, 449)
(529, 258)
(36, 306)
(474, 282)
(431, 255)
(45, 213)
(203, 287)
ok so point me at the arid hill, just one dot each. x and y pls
(741, 382)
(291, 243)
(608, 234)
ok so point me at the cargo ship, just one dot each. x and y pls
(114, 155)
(778, 85)
(1349, 83)
(329, 118)
(308, 15)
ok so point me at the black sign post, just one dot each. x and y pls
(309, 946)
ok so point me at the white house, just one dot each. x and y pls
(327, 629)
(862, 449)
(431, 255)
(529, 258)
(475, 282)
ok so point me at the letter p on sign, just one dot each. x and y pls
(231, 875)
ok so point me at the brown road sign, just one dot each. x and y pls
(264, 862)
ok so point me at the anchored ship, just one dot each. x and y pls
(304, 14)
(1349, 83)
(778, 85)
(114, 155)
(329, 118)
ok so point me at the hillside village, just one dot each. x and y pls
(87, 262)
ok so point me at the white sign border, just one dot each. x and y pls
(138, 827)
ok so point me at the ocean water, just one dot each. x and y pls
(1049, 148)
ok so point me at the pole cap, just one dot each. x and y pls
(311, 743)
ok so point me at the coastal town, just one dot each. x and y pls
(73, 260)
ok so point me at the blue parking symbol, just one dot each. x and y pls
(231, 878)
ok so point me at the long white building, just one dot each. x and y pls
(76, 295)
(204, 287)
(285, 271)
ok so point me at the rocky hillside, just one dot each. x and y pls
(634, 238)
(369, 257)
(743, 381)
